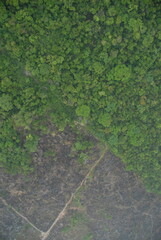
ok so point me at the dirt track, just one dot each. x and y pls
(64, 199)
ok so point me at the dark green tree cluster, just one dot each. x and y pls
(92, 61)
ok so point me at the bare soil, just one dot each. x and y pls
(64, 199)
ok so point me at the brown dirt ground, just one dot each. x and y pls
(112, 203)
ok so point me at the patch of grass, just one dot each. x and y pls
(75, 220)
(82, 158)
(89, 236)
(50, 153)
(76, 201)
(66, 229)
(77, 198)
(91, 175)
(104, 214)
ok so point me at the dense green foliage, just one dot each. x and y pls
(96, 62)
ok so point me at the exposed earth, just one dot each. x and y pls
(77, 191)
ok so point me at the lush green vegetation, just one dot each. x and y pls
(88, 61)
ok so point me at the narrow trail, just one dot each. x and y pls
(44, 235)
(20, 215)
(64, 210)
